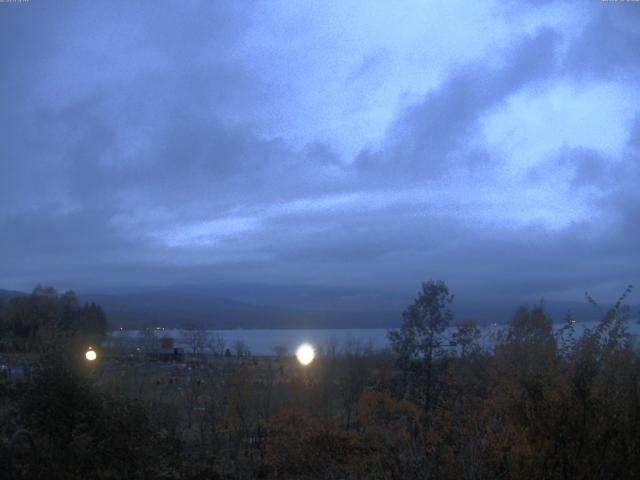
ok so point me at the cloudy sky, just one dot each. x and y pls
(495, 145)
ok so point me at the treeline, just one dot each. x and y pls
(29, 322)
(538, 405)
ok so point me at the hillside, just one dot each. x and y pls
(260, 306)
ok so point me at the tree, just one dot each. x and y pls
(69, 311)
(530, 326)
(93, 322)
(351, 371)
(81, 432)
(529, 343)
(197, 338)
(241, 348)
(28, 315)
(466, 335)
(420, 335)
(217, 344)
(37, 318)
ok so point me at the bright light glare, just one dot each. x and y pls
(90, 355)
(305, 354)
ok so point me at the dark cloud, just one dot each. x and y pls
(590, 168)
(634, 137)
(608, 45)
(584, 167)
(429, 136)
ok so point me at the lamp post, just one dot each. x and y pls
(91, 354)
(305, 354)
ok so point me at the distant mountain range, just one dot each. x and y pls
(264, 306)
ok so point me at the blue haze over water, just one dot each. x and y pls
(263, 342)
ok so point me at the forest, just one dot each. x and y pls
(538, 404)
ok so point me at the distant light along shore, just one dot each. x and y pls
(264, 342)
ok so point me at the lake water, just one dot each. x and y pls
(263, 342)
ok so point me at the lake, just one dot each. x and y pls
(263, 342)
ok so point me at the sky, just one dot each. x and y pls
(494, 145)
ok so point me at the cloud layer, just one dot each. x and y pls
(495, 147)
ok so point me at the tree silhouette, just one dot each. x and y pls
(420, 335)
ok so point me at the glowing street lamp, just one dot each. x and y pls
(90, 354)
(305, 354)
